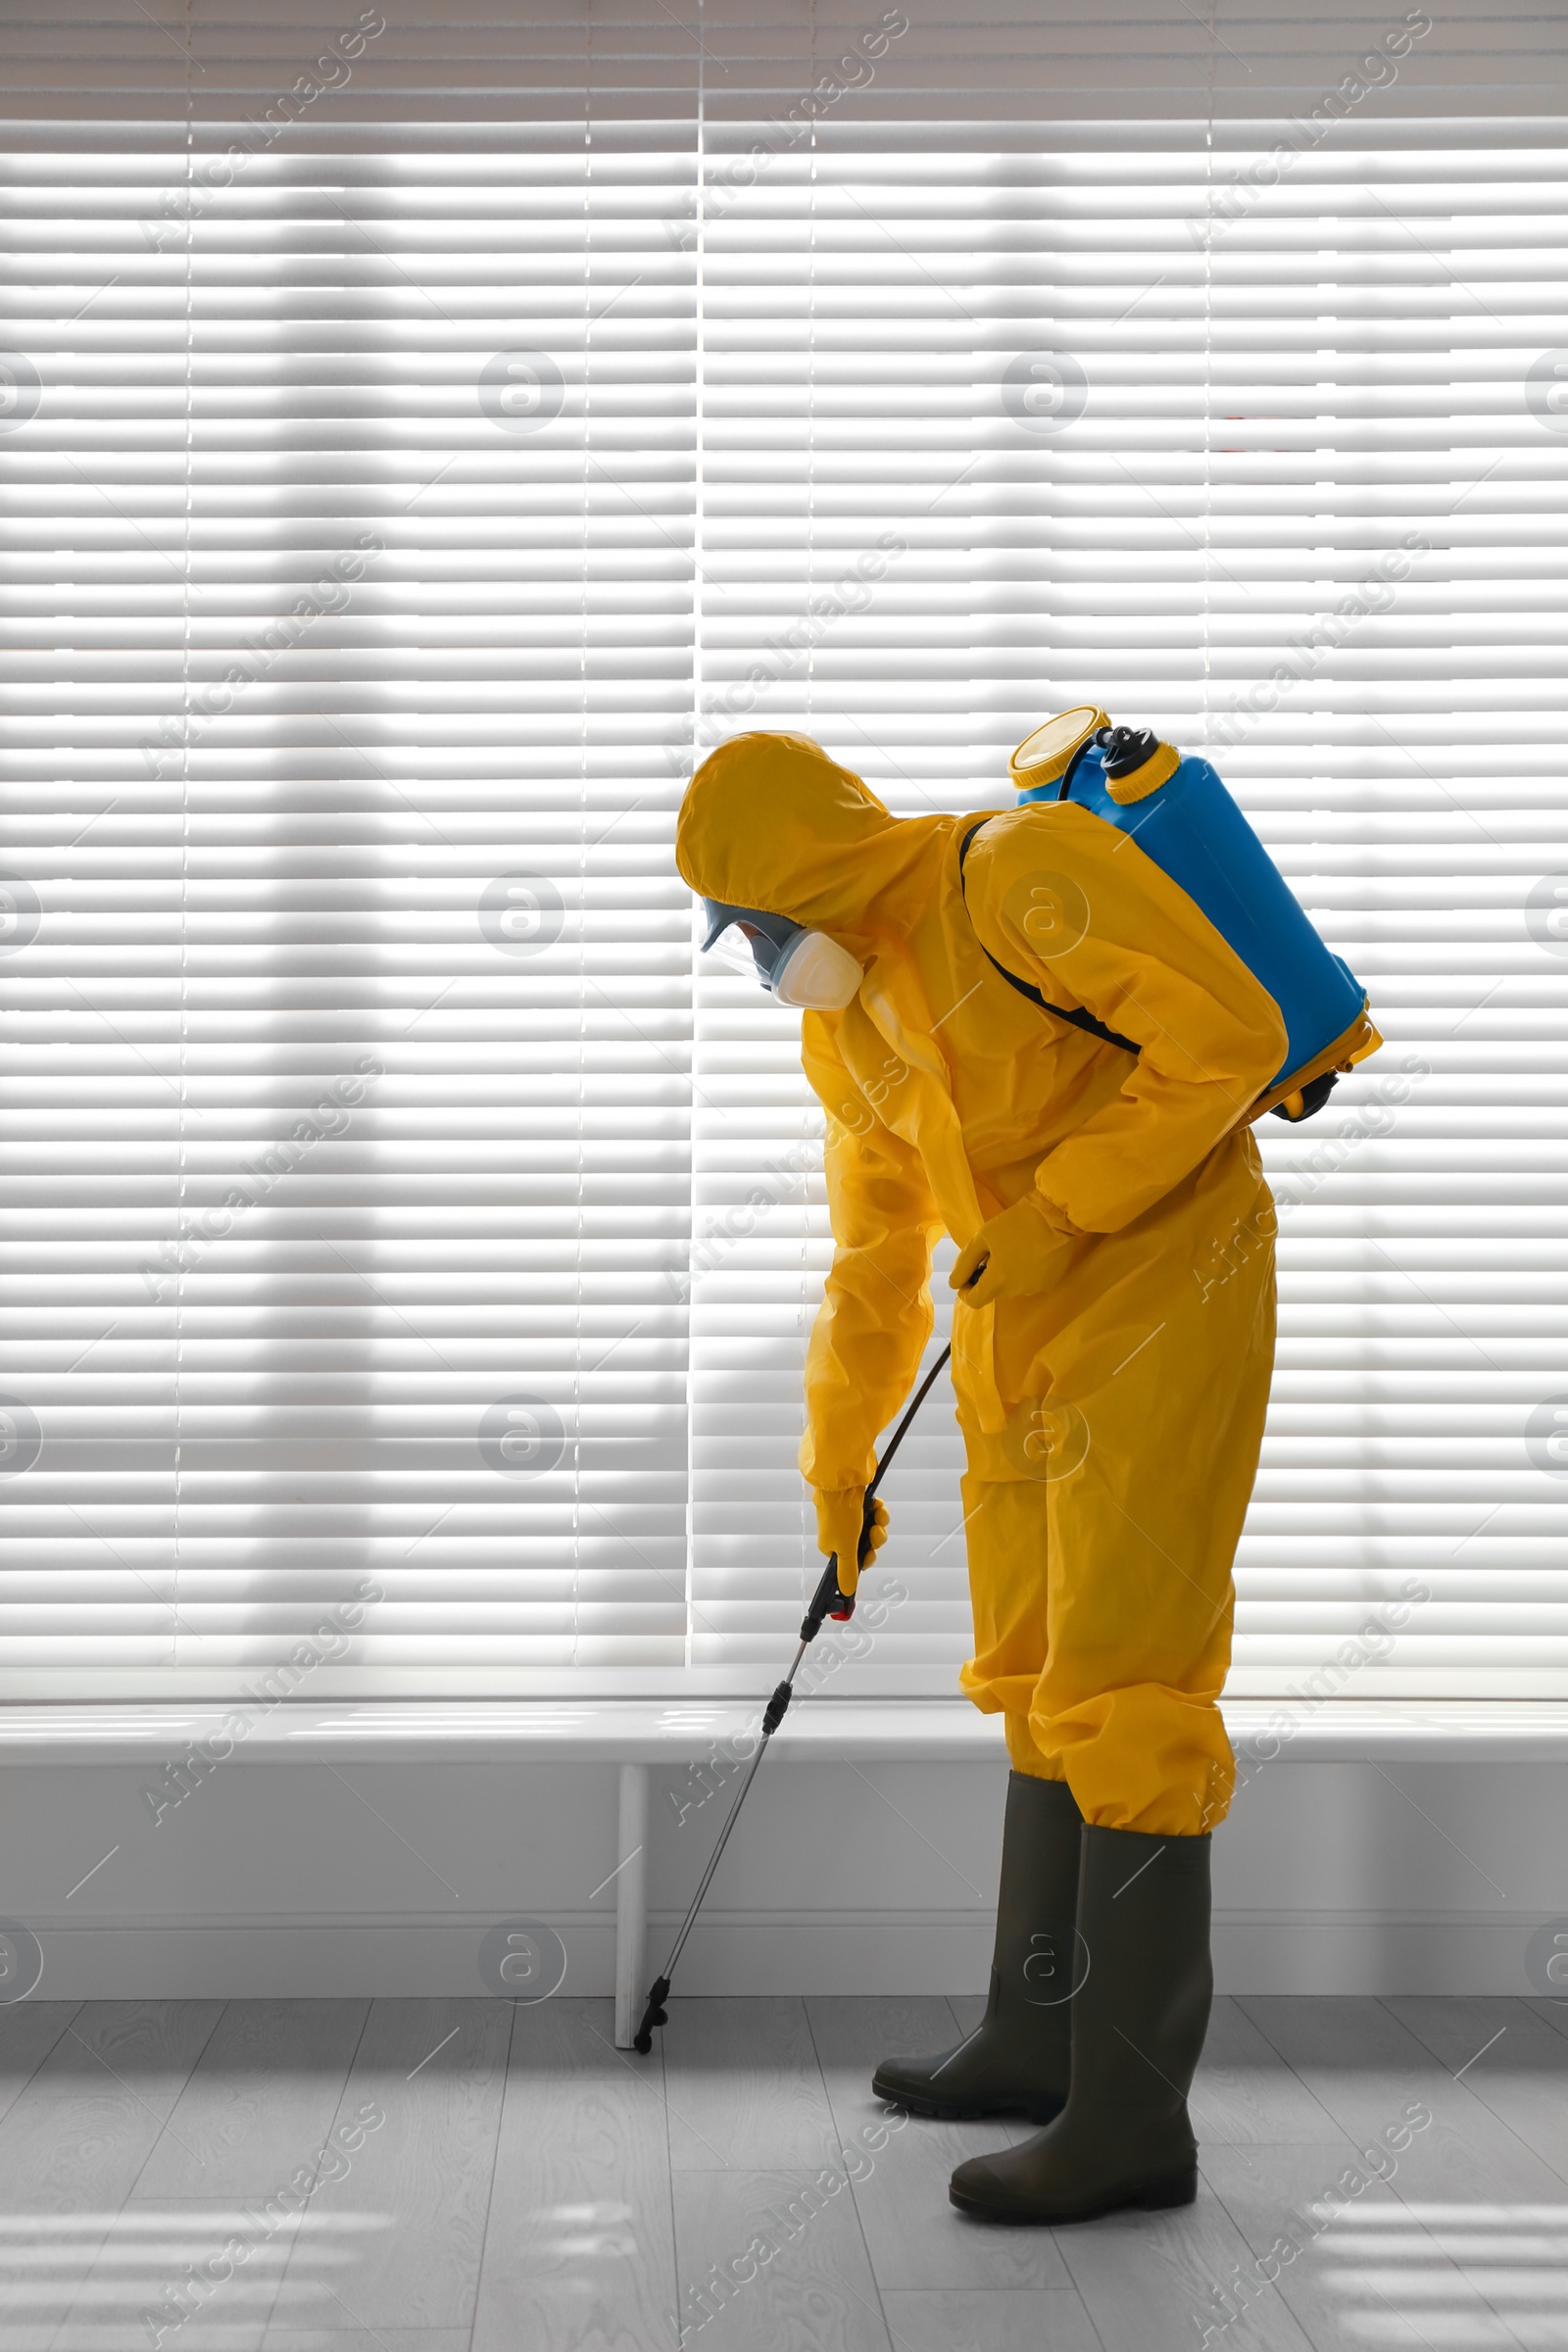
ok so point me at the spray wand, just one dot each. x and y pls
(826, 1601)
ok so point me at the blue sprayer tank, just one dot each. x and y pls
(1190, 827)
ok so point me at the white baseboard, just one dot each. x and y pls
(295, 1959)
(1373, 1953)
(1254, 1952)
(891, 1952)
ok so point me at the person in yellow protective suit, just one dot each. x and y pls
(1110, 1359)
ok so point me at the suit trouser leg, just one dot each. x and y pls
(1102, 1587)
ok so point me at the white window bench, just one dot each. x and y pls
(637, 1735)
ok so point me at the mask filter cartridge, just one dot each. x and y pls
(815, 972)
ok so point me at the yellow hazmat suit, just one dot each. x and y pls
(1112, 1422)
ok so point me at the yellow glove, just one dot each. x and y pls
(1021, 1251)
(839, 1514)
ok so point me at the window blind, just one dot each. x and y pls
(392, 521)
(346, 1131)
(1246, 428)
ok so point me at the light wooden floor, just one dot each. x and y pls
(506, 2180)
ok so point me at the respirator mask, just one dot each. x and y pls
(798, 966)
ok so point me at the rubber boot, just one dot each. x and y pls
(1016, 2061)
(1139, 2019)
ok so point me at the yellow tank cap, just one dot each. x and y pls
(1139, 782)
(1043, 755)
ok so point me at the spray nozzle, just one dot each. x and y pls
(1125, 748)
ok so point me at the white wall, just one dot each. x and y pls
(380, 1877)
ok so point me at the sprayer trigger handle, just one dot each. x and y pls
(841, 1606)
(826, 1600)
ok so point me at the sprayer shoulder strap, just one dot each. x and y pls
(1074, 1013)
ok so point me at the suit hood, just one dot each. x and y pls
(770, 821)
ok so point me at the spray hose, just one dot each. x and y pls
(826, 1601)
